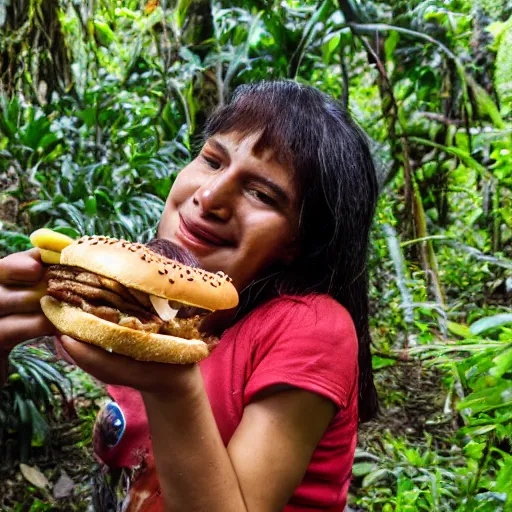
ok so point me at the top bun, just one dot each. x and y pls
(135, 266)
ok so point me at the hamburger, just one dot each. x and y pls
(130, 299)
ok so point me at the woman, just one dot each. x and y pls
(281, 198)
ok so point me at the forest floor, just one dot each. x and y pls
(412, 399)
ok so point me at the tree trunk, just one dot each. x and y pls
(198, 34)
(33, 53)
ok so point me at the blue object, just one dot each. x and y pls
(110, 425)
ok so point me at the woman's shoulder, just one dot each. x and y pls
(302, 317)
(313, 307)
(306, 341)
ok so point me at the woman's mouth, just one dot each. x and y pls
(196, 236)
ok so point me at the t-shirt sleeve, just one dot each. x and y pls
(309, 343)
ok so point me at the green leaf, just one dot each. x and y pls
(91, 206)
(363, 468)
(181, 12)
(390, 44)
(381, 362)
(104, 33)
(485, 103)
(504, 477)
(490, 322)
(40, 427)
(474, 450)
(329, 47)
(376, 476)
(478, 430)
(126, 13)
(461, 154)
(308, 33)
(47, 141)
(75, 215)
(41, 207)
(459, 329)
(169, 121)
(488, 399)
(503, 68)
(503, 364)
(88, 116)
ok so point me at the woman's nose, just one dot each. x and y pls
(216, 198)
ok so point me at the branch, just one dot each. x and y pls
(366, 28)
(433, 116)
(344, 78)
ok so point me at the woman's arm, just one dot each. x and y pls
(265, 460)
(193, 466)
(264, 463)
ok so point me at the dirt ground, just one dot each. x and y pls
(69, 468)
(412, 399)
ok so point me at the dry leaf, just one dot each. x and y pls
(64, 486)
(34, 476)
(151, 5)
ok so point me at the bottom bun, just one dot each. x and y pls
(140, 345)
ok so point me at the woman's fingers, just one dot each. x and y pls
(108, 368)
(120, 370)
(17, 299)
(21, 268)
(17, 328)
(21, 288)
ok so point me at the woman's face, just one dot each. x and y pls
(235, 210)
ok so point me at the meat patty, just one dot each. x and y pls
(82, 276)
(105, 312)
(101, 296)
(111, 301)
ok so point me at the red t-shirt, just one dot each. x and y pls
(306, 342)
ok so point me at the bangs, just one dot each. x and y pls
(270, 109)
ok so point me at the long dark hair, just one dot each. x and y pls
(335, 174)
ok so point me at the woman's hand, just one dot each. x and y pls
(155, 378)
(21, 288)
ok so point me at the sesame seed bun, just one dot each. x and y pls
(135, 266)
(139, 345)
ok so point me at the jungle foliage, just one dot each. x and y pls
(102, 102)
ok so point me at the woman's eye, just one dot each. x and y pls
(264, 198)
(212, 162)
